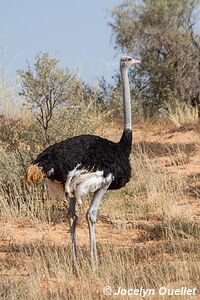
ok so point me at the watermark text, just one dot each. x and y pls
(144, 292)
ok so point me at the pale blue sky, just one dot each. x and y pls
(74, 31)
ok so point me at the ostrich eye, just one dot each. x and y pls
(129, 59)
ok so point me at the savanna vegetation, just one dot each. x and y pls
(148, 233)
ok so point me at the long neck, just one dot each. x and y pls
(126, 139)
(126, 98)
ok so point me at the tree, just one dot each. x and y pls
(46, 88)
(162, 33)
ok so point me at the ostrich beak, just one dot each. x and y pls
(135, 61)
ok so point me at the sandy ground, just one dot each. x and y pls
(158, 144)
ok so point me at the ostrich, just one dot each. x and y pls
(87, 164)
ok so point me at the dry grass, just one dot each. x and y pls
(44, 272)
(165, 251)
(182, 114)
(153, 192)
(147, 234)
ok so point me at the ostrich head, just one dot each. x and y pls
(127, 61)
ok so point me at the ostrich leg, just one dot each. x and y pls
(91, 218)
(73, 218)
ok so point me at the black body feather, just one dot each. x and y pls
(90, 152)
